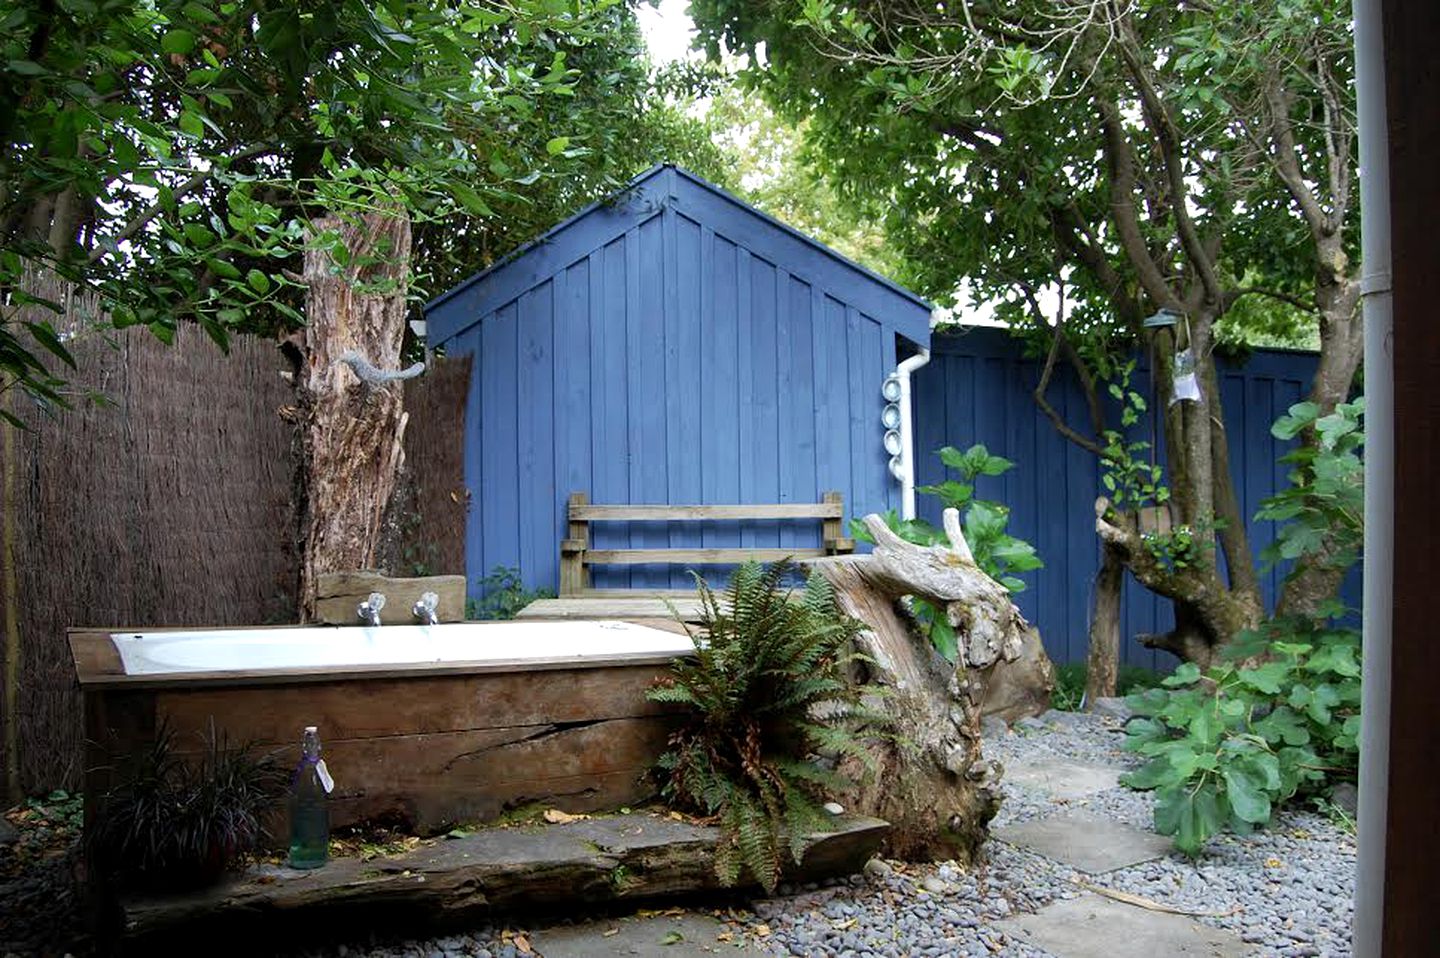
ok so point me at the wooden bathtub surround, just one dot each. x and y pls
(578, 599)
(425, 747)
(338, 593)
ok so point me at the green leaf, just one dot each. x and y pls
(470, 199)
(942, 634)
(1188, 673)
(179, 42)
(44, 333)
(557, 145)
(1153, 774)
(1266, 678)
(1246, 797)
(1282, 725)
(258, 281)
(1205, 727)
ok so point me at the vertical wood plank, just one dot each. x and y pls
(721, 447)
(802, 403)
(572, 382)
(538, 496)
(501, 480)
(746, 408)
(648, 466)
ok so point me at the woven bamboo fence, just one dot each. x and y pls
(172, 502)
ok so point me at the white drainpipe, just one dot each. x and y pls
(1379, 482)
(907, 433)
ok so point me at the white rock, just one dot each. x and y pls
(834, 808)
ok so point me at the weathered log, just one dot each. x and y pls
(931, 781)
(353, 424)
(625, 858)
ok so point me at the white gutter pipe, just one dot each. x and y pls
(1375, 289)
(907, 433)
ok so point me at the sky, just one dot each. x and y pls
(667, 28)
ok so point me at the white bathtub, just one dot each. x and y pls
(326, 648)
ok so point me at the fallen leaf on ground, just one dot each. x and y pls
(610, 931)
(761, 931)
(672, 937)
(725, 936)
(556, 817)
(522, 944)
(1274, 863)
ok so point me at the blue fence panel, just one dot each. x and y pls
(978, 387)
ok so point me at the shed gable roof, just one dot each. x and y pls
(649, 195)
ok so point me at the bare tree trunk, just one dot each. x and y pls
(933, 785)
(1102, 662)
(353, 427)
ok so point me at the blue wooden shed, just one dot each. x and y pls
(671, 344)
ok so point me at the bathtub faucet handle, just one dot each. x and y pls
(427, 608)
(369, 610)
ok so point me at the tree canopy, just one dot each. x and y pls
(1141, 154)
(170, 155)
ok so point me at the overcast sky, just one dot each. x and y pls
(667, 29)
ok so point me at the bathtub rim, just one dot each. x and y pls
(98, 665)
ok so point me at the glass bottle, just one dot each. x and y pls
(309, 805)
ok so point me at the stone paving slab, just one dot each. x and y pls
(1085, 841)
(1061, 779)
(1093, 926)
(653, 936)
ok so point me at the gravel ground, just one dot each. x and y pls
(1286, 890)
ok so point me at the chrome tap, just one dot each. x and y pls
(369, 610)
(427, 608)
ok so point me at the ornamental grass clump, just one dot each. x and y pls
(173, 824)
(768, 693)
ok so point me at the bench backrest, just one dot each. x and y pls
(577, 555)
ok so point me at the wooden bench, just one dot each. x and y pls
(579, 599)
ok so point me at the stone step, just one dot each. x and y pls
(622, 858)
(1086, 841)
(1092, 926)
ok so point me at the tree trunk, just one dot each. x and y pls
(353, 427)
(930, 782)
(1102, 663)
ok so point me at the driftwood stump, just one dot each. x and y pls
(354, 417)
(932, 783)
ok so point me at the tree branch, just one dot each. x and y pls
(1162, 126)
(1232, 295)
(1121, 163)
(189, 186)
(1058, 421)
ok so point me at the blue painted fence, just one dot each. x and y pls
(978, 388)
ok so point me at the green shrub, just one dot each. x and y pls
(1277, 718)
(1228, 745)
(998, 553)
(503, 595)
(766, 689)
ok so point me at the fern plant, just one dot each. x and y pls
(767, 690)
